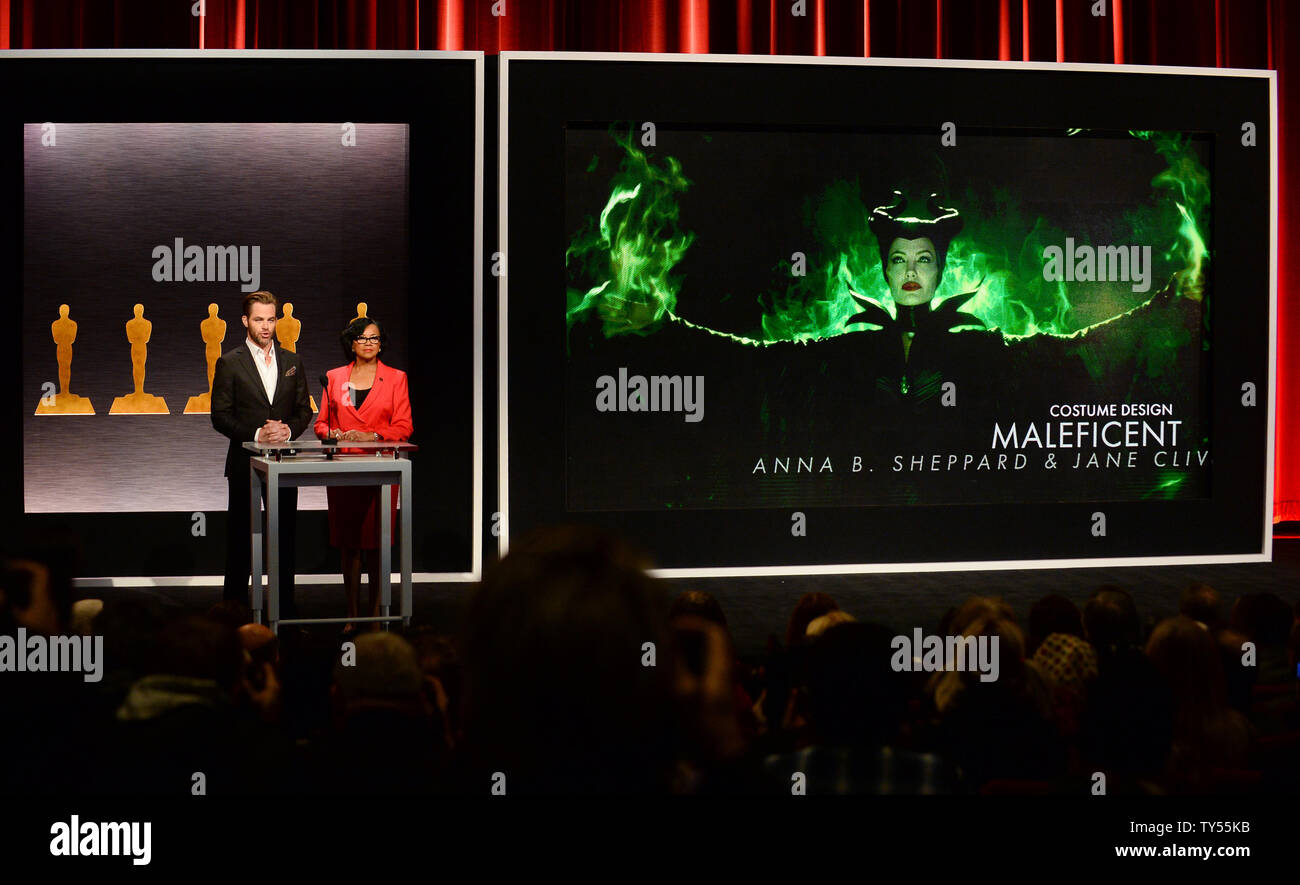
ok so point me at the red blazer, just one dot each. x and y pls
(386, 411)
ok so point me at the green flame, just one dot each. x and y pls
(996, 262)
(1168, 483)
(633, 247)
(1187, 183)
(816, 304)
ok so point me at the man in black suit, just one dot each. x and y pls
(259, 394)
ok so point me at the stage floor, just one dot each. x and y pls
(757, 607)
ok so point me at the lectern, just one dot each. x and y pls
(315, 463)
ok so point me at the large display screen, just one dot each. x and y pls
(148, 193)
(184, 219)
(837, 315)
(734, 339)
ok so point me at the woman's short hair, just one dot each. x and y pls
(355, 330)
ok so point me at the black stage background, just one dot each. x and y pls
(330, 223)
(758, 606)
(436, 97)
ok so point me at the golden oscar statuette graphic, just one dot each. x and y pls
(138, 330)
(362, 307)
(213, 330)
(287, 330)
(64, 402)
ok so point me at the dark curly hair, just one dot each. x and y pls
(355, 330)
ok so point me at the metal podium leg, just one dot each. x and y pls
(385, 550)
(273, 545)
(406, 543)
(256, 537)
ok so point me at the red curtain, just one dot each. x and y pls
(1240, 34)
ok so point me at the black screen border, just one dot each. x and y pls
(441, 99)
(551, 90)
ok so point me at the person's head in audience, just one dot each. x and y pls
(36, 579)
(261, 644)
(385, 676)
(234, 613)
(704, 688)
(1052, 614)
(557, 694)
(1184, 651)
(1068, 661)
(84, 613)
(699, 604)
(777, 698)
(1201, 602)
(1266, 620)
(27, 598)
(945, 621)
(988, 617)
(1263, 617)
(1204, 725)
(1128, 723)
(707, 676)
(261, 675)
(851, 697)
(130, 629)
(819, 625)
(197, 647)
(1240, 678)
(979, 609)
(809, 607)
(1111, 622)
(443, 671)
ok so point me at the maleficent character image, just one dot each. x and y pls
(946, 384)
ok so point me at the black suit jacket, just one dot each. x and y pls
(240, 407)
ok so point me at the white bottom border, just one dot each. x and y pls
(299, 580)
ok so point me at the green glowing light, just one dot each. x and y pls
(1005, 276)
(633, 247)
(817, 304)
(626, 257)
(1167, 485)
(1188, 183)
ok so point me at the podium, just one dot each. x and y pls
(315, 463)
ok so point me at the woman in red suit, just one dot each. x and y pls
(365, 401)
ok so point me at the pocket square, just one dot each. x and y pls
(292, 370)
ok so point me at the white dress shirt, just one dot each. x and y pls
(268, 372)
